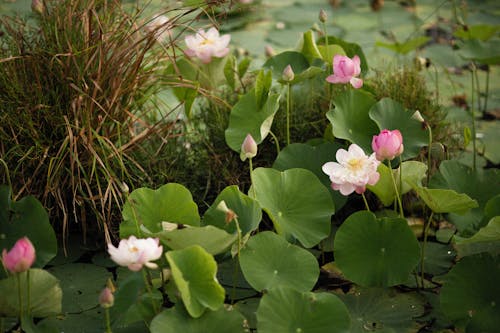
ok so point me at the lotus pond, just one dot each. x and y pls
(303, 166)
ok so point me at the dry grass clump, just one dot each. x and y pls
(79, 113)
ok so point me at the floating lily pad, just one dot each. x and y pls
(170, 203)
(268, 261)
(383, 310)
(297, 203)
(176, 320)
(80, 291)
(45, 294)
(194, 273)
(471, 293)
(376, 252)
(286, 310)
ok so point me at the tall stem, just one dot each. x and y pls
(398, 197)
(487, 91)
(328, 59)
(108, 321)
(429, 161)
(20, 295)
(145, 275)
(422, 255)
(366, 202)
(276, 142)
(251, 178)
(473, 118)
(28, 288)
(288, 102)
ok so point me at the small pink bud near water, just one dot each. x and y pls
(106, 298)
(388, 144)
(269, 51)
(20, 258)
(288, 74)
(248, 148)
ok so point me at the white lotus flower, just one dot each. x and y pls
(205, 45)
(135, 253)
(160, 26)
(353, 171)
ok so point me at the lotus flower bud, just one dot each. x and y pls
(322, 16)
(418, 117)
(106, 298)
(20, 258)
(37, 6)
(388, 144)
(248, 148)
(288, 74)
(269, 51)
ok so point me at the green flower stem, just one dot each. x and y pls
(236, 267)
(366, 202)
(487, 91)
(288, 102)
(473, 118)
(28, 287)
(7, 175)
(327, 58)
(276, 142)
(429, 161)
(398, 197)
(108, 321)
(147, 278)
(251, 177)
(422, 255)
(20, 295)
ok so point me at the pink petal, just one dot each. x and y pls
(356, 83)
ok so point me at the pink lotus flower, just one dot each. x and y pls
(205, 45)
(20, 258)
(345, 70)
(388, 144)
(135, 253)
(353, 171)
(106, 298)
(248, 148)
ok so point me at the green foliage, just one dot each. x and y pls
(407, 46)
(26, 217)
(170, 203)
(194, 273)
(470, 294)
(286, 310)
(268, 261)
(45, 294)
(375, 252)
(297, 203)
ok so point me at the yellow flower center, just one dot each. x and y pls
(355, 164)
(133, 249)
(207, 41)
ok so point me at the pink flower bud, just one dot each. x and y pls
(269, 51)
(346, 70)
(388, 144)
(37, 6)
(248, 148)
(20, 258)
(288, 74)
(322, 16)
(106, 298)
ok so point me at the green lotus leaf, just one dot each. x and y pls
(247, 209)
(176, 320)
(268, 261)
(312, 158)
(194, 272)
(210, 238)
(471, 292)
(445, 201)
(375, 252)
(296, 201)
(389, 114)
(286, 310)
(481, 185)
(383, 310)
(170, 203)
(247, 118)
(350, 119)
(484, 52)
(26, 217)
(487, 239)
(45, 294)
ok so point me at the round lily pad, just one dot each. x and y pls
(376, 252)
